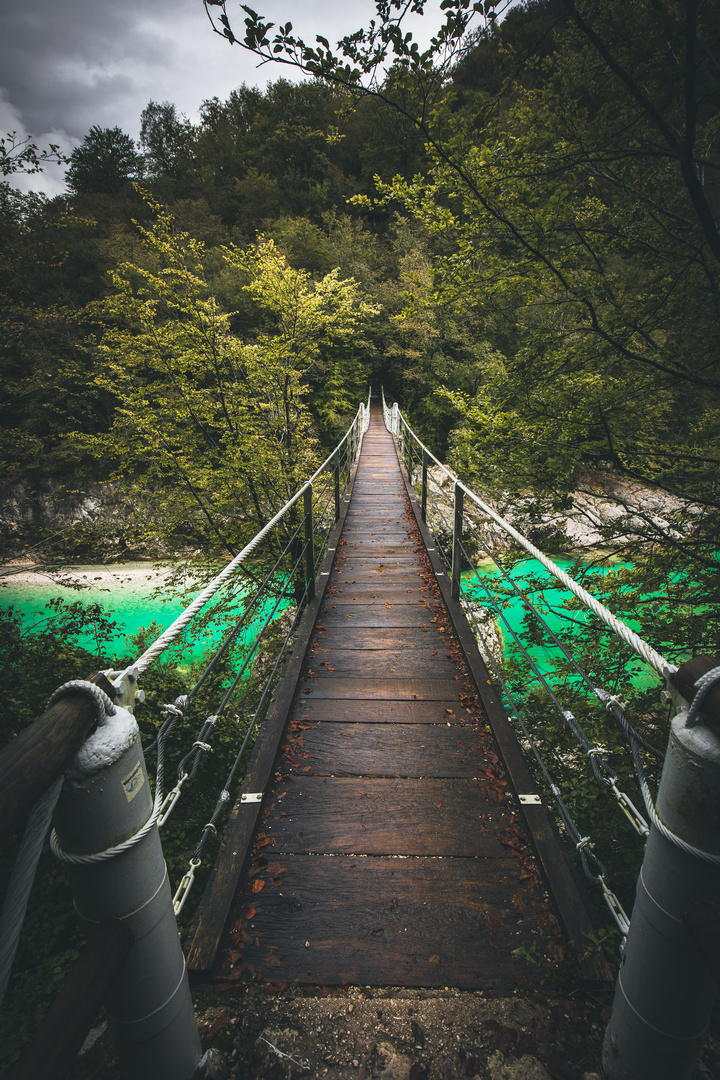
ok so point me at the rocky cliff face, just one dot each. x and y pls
(97, 522)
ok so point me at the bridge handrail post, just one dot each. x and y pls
(106, 802)
(395, 419)
(424, 490)
(665, 992)
(309, 542)
(336, 484)
(458, 515)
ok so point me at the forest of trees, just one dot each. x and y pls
(516, 232)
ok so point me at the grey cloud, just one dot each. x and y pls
(68, 64)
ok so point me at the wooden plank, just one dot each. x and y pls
(373, 663)
(380, 712)
(394, 689)
(407, 922)
(397, 576)
(337, 749)
(378, 594)
(399, 615)
(415, 642)
(373, 545)
(381, 816)
(375, 561)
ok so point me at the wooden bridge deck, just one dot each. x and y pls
(391, 846)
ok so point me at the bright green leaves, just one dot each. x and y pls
(212, 430)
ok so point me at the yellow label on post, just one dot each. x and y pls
(133, 782)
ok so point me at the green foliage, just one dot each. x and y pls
(104, 164)
(22, 155)
(214, 431)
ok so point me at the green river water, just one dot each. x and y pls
(131, 594)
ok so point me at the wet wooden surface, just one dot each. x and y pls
(390, 849)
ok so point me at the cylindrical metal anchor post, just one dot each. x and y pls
(106, 800)
(665, 993)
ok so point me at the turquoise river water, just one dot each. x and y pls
(132, 595)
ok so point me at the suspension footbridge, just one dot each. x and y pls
(392, 846)
(384, 828)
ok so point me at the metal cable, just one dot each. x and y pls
(103, 705)
(603, 772)
(582, 844)
(201, 744)
(703, 686)
(614, 706)
(210, 828)
(648, 654)
(560, 644)
(176, 628)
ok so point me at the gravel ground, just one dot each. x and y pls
(358, 1033)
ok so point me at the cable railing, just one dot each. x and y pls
(455, 515)
(88, 733)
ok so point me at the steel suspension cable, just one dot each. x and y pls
(648, 654)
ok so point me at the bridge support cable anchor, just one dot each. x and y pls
(665, 990)
(105, 805)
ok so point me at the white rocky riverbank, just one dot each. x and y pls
(605, 512)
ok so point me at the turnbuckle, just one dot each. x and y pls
(185, 886)
(616, 909)
(169, 801)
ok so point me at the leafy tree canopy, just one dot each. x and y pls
(104, 164)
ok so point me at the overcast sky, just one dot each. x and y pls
(68, 64)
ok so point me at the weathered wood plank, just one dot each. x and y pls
(373, 544)
(373, 921)
(337, 749)
(380, 712)
(378, 561)
(333, 614)
(411, 643)
(380, 594)
(374, 663)
(396, 576)
(381, 816)
(395, 689)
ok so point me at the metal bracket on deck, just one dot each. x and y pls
(254, 796)
(530, 800)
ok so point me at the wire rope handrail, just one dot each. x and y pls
(658, 662)
(172, 632)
